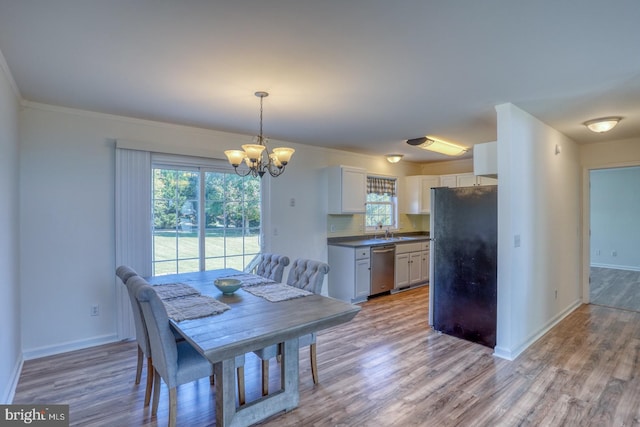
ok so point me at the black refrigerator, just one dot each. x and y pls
(464, 247)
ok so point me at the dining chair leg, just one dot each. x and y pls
(241, 396)
(314, 363)
(156, 394)
(173, 406)
(265, 377)
(139, 367)
(150, 375)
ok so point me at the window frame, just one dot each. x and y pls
(202, 166)
(393, 203)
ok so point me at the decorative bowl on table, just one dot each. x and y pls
(227, 286)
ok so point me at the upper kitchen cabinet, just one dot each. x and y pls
(347, 190)
(465, 180)
(418, 193)
(485, 159)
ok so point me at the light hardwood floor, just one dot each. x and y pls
(387, 368)
(615, 288)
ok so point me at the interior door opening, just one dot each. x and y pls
(614, 206)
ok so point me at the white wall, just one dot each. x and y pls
(539, 204)
(615, 218)
(67, 204)
(11, 354)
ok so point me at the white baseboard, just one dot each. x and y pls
(616, 267)
(9, 393)
(36, 353)
(511, 354)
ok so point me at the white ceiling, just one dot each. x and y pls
(360, 75)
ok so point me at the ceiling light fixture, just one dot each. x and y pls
(394, 158)
(253, 154)
(604, 124)
(438, 146)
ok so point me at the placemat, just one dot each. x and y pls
(193, 307)
(277, 292)
(249, 279)
(174, 290)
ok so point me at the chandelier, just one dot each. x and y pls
(256, 156)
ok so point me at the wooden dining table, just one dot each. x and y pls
(253, 323)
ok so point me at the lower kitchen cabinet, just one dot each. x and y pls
(424, 262)
(350, 275)
(402, 270)
(410, 265)
(362, 278)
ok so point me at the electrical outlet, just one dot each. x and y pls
(95, 310)
(614, 253)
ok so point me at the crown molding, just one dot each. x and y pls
(7, 72)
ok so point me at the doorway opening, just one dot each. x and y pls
(615, 233)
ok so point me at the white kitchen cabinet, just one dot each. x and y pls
(424, 262)
(402, 270)
(409, 265)
(448, 181)
(465, 180)
(350, 277)
(362, 279)
(485, 159)
(415, 268)
(347, 190)
(418, 193)
(486, 180)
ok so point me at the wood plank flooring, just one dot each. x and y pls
(387, 368)
(615, 288)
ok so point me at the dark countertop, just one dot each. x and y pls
(356, 241)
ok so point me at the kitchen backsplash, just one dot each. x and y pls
(353, 225)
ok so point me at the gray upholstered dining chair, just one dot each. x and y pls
(124, 273)
(144, 350)
(176, 362)
(270, 266)
(304, 274)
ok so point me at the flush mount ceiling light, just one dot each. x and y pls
(253, 154)
(438, 146)
(604, 124)
(394, 158)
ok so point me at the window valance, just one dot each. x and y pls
(382, 186)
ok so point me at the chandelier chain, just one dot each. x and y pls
(261, 137)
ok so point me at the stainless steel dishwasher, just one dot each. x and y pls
(383, 262)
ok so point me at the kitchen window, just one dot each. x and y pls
(382, 203)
